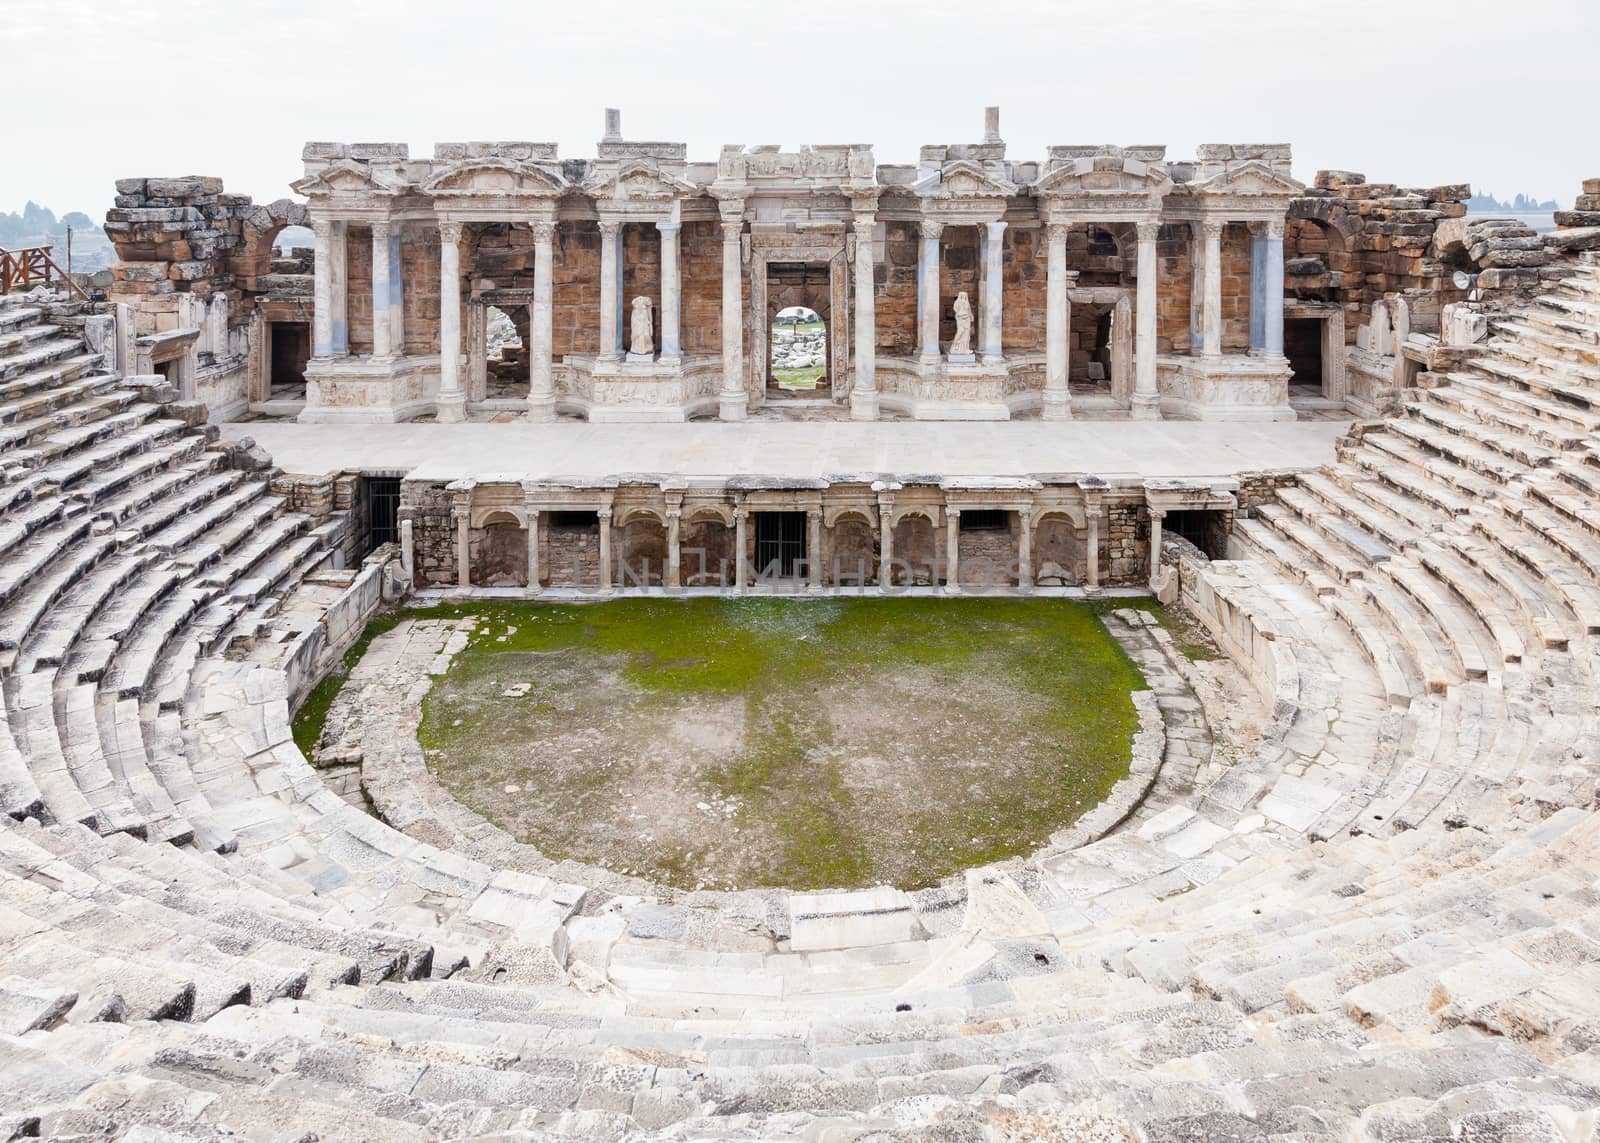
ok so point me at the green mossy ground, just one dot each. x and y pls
(986, 725)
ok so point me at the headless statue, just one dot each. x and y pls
(643, 336)
(961, 345)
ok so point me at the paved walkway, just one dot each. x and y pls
(569, 450)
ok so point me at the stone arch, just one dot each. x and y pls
(852, 548)
(642, 544)
(1058, 548)
(706, 547)
(806, 286)
(502, 550)
(261, 230)
(918, 548)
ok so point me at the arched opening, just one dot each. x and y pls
(505, 352)
(1056, 552)
(1090, 346)
(918, 548)
(644, 553)
(798, 350)
(853, 558)
(502, 552)
(705, 553)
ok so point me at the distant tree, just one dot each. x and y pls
(77, 220)
(38, 219)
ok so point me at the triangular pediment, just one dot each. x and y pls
(493, 177)
(640, 181)
(966, 178)
(345, 177)
(1252, 178)
(1104, 175)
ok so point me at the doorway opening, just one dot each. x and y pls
(1206, 529)
(780, 544)
(291, 349)
(799, 350)
(1302, 345)
(381, 495)
(505, 353)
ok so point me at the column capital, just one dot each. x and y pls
(674, 513)
(885, 501)
(1275, 228)
(322, 228)
(930, 228)
(1058, 231)
(380, 229)
(604, 513)
(449, 231)
(813, 514)
(610, 228)
(997, 227)
(952, 510)
(669, 227)
(543, 230)
(1212, 227)
(1147, 231)
(741, 512)
(732, 230)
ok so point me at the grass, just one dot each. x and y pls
(313, 712)
(1189, 638)
(891, 740)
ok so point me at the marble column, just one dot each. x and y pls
(1156, 516)
(885, 542)
(864, 393)
(397, 293)
(1211, 314)
(671, 293)
(1025, 549)
(1258, 308)
(322, 290)
(741, 516)
(534, 584)
(408, 550)
(463, 548)
(1093, 570)
(610, 292)
(1197, 277)
(541, 321)
(339, 264)
(605, 548)
(674, 578)
(928, 291)
(952, 549)
(732, 402)
(1272, 267)
(451, 404)
(1058, 328)
(1146, 398)
(814, 549)
(382, 341)
(994, 293)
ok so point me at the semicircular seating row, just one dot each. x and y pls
(1384, 923)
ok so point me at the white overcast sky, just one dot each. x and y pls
(1499, 93)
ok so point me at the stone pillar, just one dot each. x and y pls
(382, 341)
(1146, 398)
(451, 405)
(1272, 273)
(928, 291)
(733, 401)
(408, 550)
(1258, 298)
(1211, 311)
(1156, 516)
(397, 293)
(463, 547)
(1197, 277)
(1093, 570)
(671, 292)
(610, 292)
(885, 542)
(534, 584)
(605, 548)
(541, 320)
(1058, 329)
(814, 549)
(864, 393)
(952, 549)
(1025, 548)
(339, 284)
(674, 564)
(994, 294)
(741, 515)
(321, 290)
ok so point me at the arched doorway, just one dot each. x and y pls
(798, 350)
(502, 552)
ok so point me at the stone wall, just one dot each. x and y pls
(427, 505)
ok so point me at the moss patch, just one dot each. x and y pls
(737, 743)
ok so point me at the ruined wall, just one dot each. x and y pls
(427, 506)
(895, 311)
(700, 273)
(419, 253)
(1025, 271)
(575, 280)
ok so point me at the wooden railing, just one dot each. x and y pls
(32, 264)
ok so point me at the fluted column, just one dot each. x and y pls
(382, 342)
(1211, 311)
(741, 516)
(674, 561)
(671, 292)
(451, 405)
(994, 294)
(1272, 266)
(952, 549)
(1025, 549)
(533, 550)
(322, 289)
(610, 292)
(885, 541)
(339, 281)
(397, 293)
(541, 322)
(814, 549)
(733, 401)
(929, 292)
(1058, 328)
(605, 548)
(1146, 398)
(1258, 298)
(864, 393)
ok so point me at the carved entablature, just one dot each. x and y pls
(516, 152)
(638, 190)
(965, 191)
(494, 188)
(1251, 190)
(1103, 184)
(824, 167)
(347, 179)
(624, 149)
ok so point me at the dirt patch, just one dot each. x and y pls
(739, 743)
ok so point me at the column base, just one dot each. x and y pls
(1146, 407)
(994, 359)
(1056, 407)
(450, 408)
(863, 405)
(542, 409)
(733, 406)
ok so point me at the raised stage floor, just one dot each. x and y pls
(798, 450)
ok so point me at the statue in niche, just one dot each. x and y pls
(643, 337)
(961, 344)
